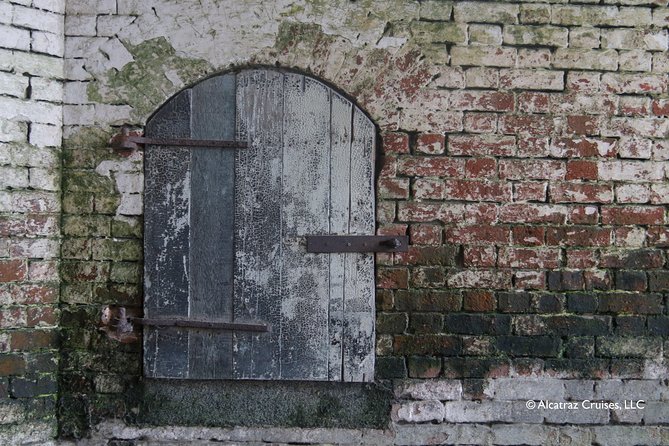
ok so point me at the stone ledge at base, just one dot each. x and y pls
(114, 433)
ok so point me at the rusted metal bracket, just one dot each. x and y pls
(357, 243)
(127, 141)
(119, 325)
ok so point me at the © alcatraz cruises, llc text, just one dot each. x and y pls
(586, 404)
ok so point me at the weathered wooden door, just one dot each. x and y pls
(225, 232)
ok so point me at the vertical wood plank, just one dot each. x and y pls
(359, 333)
(305, 211)
(166, 244)
(340, 180)
(257, 210)
(211, 228)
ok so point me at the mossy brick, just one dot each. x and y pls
(86, 225)
(579, 347)
(548, 303)
(42, 362)
(487, 56)
(76, 293)
(87, 181)
(428, 300)
(427, 277)
(631, 280)
(485, 12)
(536, 35)
(420, 323)
(658, 325)
(130, 228)
(631, 303)
(79, 339)
(116, 249)
(576, 368)
(126, 272)
(457, 368)
(438, 32)
(85, 271)
(89, 138)
(536, 346)
(428, 256)
(109, 384)
(76, 248)
(477, 324)
(390, 367)
(391, 323)
(576, 325)
(116, 293)
(79, 315)
(515, 302)
(32, 386)
(629, 325)
(78, 203)
(535, 13)
(629, 347)
(658, 280)
(427, 344)
(485, 34)
(423, 366)
(12, 364)
(79, 158)
(435, 10)
(582, 302)
(385, 300)
(33, 339)
(106, 203)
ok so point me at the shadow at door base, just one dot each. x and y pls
(262, 403)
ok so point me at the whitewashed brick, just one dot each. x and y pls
(35, 64)
(584, 37)
(112, 114)
(49, 43)
(82, 47)
(486, 12)
(74, 70)
(14, 38)
(78, 114)
(660, 150)
(45, 135)
(131, 204)
(527, 434)
(37, 19)
(632, 193)
(534, 58)
(659, 193)
(47, 89)
(130, 183)
(634, 60)
(661, 17)
(606, 60)
(419, 411)
(644, 127)
(13, 131)
(80, 25)
(110, 25)
(482, 77)
(477, 411)
(483, 56)
(35, 248)
(581, 416)
(584, 81)
(111, 54)
(13, 84)
(485, 34)
(632, 171)
(44, 179)
(20, 110)
(76, 93)
(6, 12)
(631, 39)
(532, 79)
(50, 5)
(27, 155)
(430, 390)
(528, 388)
(536, 35)
(92, 7)
(634, 83)
(636, 148)
(14, 177)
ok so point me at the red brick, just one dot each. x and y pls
(658, 236)
(583, 147)
(533, 146)
(481, 100)
(13, 317)
(36, 294)
(581, 258)
(478, 301)
(480, 122)
(531, 169)
(632, 215)
(632, 259)
(42, 316)
(393, 188)
(427, 255)
(582, 170)
(428, 188)
(529, 258)
(430, 166)
(12, 365)
(629, 236)
(392, 278)
(388, 166)
(481, 145)
(25, 340)
(634, 105)
(529, 280)
(530, 191)
(528, 235)
(395, 143)
(532, 213)
(430, 143)
(660, 107)
(585, 81)
(481, 168)
(478, 235)
(598, 279)
(528, 124)
(581, 193)
(392, 229)
(424, 234)
(426, 345)
(579, 236)
(480, 278)
(480, 256)
(13, 270)
(477, 190)
(531, 102)
(583, 125)
(583, 215)
(473, 214)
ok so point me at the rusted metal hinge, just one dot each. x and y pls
(127, 141)
(119, 325)
(357, 243)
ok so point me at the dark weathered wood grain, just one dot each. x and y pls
(166, 244)
(211, 226)
(257, 234)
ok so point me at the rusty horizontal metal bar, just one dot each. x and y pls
(193, 323)
(126, 141)
(357, 243)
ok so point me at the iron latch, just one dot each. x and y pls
(127, 141)
(357, 243)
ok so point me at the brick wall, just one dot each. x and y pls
(31, 90)
(523, 151)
